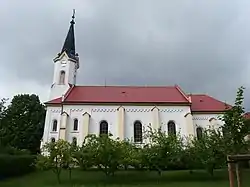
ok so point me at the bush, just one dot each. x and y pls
(13, 151)
(15, 165)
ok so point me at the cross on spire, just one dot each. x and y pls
(69, 43)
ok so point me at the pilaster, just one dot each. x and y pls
(86, 120)
(155, 116)
(63, 126)
(190, 124)
(121, 118)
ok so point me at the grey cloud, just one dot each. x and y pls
(201, 45)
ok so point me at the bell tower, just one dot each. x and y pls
(66, 65)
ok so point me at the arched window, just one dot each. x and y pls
(62, 77)
(74, 141)
(75, 128)
(53, 140)
(199, 132)
(54, 127)
(137, 132)
(103, 127)
(171, 128)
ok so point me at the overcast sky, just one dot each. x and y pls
(203, 46)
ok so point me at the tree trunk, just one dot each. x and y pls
(58, 176)
(70, 174)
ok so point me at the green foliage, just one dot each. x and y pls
(2, 107)
(163, 151)
(131, 156)
(13, 151)
(85, 155)
(22, 123)
(235, 128)
(107, 153)
(57, 156)
(2, 113)
(16, 165)
(209, 150)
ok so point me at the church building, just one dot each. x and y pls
(74, 111)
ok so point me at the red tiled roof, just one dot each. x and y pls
(54, 101)
(123, 94)
(126, 94)
(130, 94)
(205, 103)
(247, 115)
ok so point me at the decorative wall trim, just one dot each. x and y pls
(138, 110)
(204, 118)
(171, 110)
(55, 110)
(103, 110)
(76, 110)
(201, 118)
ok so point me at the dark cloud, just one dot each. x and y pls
(203, 46)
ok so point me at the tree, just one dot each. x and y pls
(101, 151)
(235, 127)
(208, 150)
(164, 151)
(2, 112)
(86, 154)
(23, 122)
(108, 154)
(56, 156)
(2, 107)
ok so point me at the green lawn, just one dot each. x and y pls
(129, 179)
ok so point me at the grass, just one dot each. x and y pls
(126, 179)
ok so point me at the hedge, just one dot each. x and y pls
(16, 165)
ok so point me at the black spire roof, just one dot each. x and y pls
(69, 44)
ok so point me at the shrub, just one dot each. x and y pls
(15, 165)
(13, 151)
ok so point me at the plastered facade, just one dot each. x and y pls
(121, 120)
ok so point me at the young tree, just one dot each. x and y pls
(23, 122)
(209, 150)
(163, 151)
(235, 128)
(108, 154)
(56, 156)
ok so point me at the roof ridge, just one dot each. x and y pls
(198, 94)
(68, 92)
(182, 93)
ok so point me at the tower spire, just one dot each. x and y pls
(69, 43)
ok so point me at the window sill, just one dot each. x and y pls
(53, 132)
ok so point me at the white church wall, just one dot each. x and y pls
(52, 113)
(207, 120)
(110, 114)
(176, 114)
